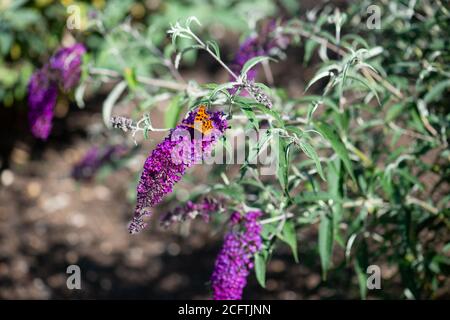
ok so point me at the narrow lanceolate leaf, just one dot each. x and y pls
(311, 153)
(366, 84)
(437, 91)
(362, 279)
(260, 269)
(299, 132)
(394, 111)
(214, 46)
(348, 246)
(79, 94)
(111, 100)
(290, 237)
(310, 45)
(173, 112)
(334, 189)
(129, 75)
(325, 243)
(251, 117)
(222, 88)
(253, 62)
(272, 113)
(361, 263)
(317, 77)
(282, 168)
(337, 145)
(306, 197)
(185, 50)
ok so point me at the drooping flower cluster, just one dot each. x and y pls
(258, 94)
(63, 70)
(66, 64)
(42, 94)
(263, 44)
(191, 210)
(94, 158)
(235, 260)
(122, 123)
(168, 162)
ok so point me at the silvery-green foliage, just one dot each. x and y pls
(363, 157)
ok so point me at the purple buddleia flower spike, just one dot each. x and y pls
(95, 158)
(249, 49)
(235, 260)
(262, 44)
(42, 94)
(63, 70)
(137, 224)
(66, 63)
(168, 162)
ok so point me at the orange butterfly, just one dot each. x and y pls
(202, 121)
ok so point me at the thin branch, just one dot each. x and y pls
(422, 204)
(410, 133)
(142, 79)
(205, 47)
(277, 218)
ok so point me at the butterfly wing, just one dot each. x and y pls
(202, 121)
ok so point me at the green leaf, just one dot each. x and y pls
(337, 145)
(253, 62)
(355, 38)
(436, 91)
(111, 100)
(311, 153)
(310, 45)
(233, 191)
(251, 117)
(282, 168)
(272, 113)
(299, 132)
(323, 100)
(222, 88)
(349, 244)
(305, 197)
(260, 269)
(362, 279)
(214, 46)
(290, 237)
(79, 93)
(129, 75)
(334, 188)
(361, 263)
(173, 112)
(446, 248)
(182, 52)
(393, 112)
(6, 41)
(255, 150)
(317, 77)
(366, 84)
(325, 243)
